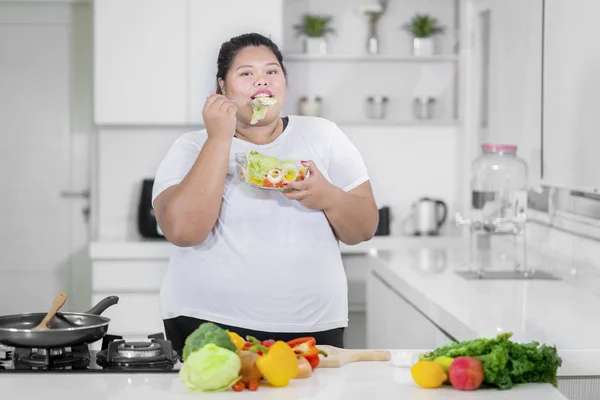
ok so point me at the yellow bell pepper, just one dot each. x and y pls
(237, 340)
(278, 364)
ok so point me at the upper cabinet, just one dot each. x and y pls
(515, 78)
(571, 86)
(211, 24)
(140, 61)
(156, 61)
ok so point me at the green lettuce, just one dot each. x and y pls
(211, 368)
(260, 105)
(506, 363)
(258, 165)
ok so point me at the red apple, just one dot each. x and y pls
(466, 373)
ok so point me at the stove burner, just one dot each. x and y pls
(53, 352)
(139, 349)
(77, 357)
(158, 353)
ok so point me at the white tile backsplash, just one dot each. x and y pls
(404, 163)
(126, 156)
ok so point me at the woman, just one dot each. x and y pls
(254, 261)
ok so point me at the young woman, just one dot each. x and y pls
(259, 262)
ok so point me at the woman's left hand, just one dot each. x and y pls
(315, 192)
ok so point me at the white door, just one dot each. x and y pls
(41, 227)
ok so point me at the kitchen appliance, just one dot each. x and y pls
(383, 228)
(116, 355)
(147, 224)
(66, 329)
(426, 217)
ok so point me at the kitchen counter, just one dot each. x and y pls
(161, 249)
(376, 380)
(562, 313)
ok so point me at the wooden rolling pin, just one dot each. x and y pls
(337, 357)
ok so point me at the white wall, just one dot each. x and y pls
(404, 164)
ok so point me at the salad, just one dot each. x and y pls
(260, 105)
(269, 172)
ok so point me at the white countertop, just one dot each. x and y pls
(561, 313)
(374, 380)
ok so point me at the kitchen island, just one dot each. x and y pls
(363, 380)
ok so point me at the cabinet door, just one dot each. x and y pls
(211, 24)
(140, 61)
(393, 323)
(571, 85)
(515, 68)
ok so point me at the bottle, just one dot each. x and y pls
(498, 208)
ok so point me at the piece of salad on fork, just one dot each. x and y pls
(268, 172)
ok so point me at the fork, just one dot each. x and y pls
(239, 100)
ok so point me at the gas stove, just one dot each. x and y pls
(116, 355)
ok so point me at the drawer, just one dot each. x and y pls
(127, 276)
(136, 314)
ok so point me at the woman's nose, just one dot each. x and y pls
(261, 81)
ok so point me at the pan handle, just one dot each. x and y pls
(103, 305)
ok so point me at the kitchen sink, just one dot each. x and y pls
(507, 275)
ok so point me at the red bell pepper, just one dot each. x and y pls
(306, 347)
(267, 343)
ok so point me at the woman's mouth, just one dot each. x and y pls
(262, 93)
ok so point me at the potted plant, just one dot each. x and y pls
(314, 28)
(423, 29)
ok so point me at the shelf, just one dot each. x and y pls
(367, 58)
(400, 124)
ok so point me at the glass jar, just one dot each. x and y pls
(498, 208)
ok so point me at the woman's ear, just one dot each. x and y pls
(221, 85)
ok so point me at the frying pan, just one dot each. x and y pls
(66, 329)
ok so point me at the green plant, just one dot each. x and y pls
(423, 26)
(314, 26)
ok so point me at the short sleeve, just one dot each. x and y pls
(347, 169)
(176, 164)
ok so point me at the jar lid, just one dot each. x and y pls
(499, 148)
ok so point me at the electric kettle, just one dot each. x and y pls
(426, 218)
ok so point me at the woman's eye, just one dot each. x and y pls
(245, 74)
(272, 72)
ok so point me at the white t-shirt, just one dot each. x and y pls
(269, 263)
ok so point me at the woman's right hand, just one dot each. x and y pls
(219, 116)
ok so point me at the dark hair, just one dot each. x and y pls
(230, 49)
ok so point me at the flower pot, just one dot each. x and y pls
(315, 45)
(423, 46)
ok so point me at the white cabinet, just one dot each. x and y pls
(515, 83)
(155, 61)
(393, 323)
(211, 24)
(140, 61)
(137, 284)
(571, 86)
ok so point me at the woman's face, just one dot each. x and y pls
(255, 69)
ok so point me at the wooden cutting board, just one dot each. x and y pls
(337, 357)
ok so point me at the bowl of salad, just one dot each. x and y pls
(267, 172)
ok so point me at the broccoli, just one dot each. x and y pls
(207, 333)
